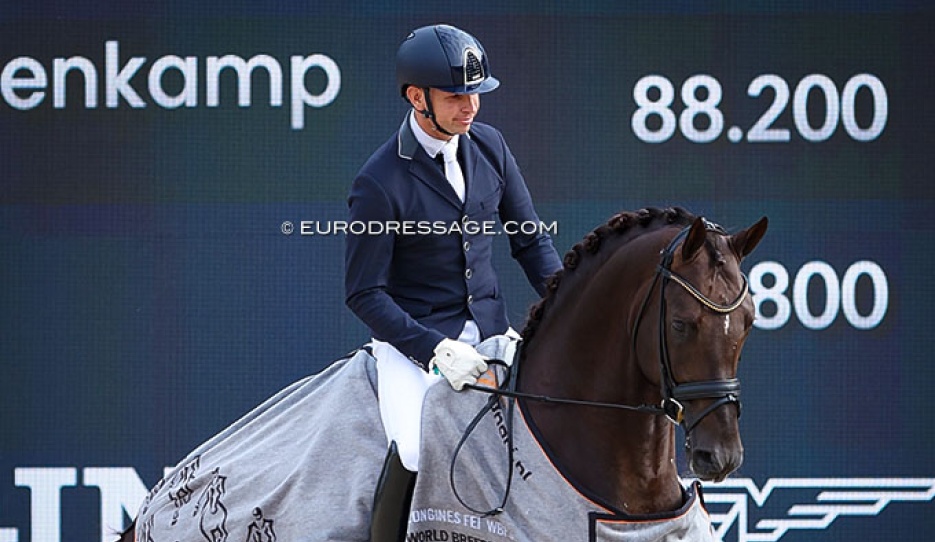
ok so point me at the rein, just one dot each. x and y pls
(510, 382)
(648, 409)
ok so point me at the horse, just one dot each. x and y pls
(639, 333)
(212, 511)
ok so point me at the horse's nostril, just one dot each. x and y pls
(703, 460)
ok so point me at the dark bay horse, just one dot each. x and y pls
(644, 326)
(651, 309)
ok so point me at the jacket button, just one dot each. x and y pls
(470, 299)
(468, 273)
(467, 246)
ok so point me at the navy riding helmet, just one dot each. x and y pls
(443, 57)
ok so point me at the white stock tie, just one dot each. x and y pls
(453, 170)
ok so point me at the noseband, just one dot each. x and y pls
(723, 391)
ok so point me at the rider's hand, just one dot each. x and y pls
(458, 362)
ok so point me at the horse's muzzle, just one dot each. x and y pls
(715, 463)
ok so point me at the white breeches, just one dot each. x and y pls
(401, 385)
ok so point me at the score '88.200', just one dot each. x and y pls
(701, 120)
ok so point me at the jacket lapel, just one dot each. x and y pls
(424, 168)
(428, 172)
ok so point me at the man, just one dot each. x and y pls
(429, 296)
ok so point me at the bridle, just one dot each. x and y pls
(723, 391)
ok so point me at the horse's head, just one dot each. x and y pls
(700, 313)
(650, 307)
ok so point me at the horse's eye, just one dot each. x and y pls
(678, 325)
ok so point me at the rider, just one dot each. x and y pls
(429, 297)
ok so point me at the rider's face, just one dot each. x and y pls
(453, 112)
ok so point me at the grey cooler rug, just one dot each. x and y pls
(303, 466)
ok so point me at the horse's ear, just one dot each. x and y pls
(743, 242)
(695, 239)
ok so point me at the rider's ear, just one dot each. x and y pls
(743, 242)
(414, 95)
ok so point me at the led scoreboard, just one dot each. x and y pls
(163, 168)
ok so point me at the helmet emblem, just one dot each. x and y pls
(473, 68)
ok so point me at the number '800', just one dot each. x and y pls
(841, 295)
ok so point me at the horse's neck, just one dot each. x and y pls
(582, 350)
(623, 459)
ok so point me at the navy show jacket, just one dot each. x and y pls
(416, 287)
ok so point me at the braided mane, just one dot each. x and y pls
(584, 251)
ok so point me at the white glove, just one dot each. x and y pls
(458, 362)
